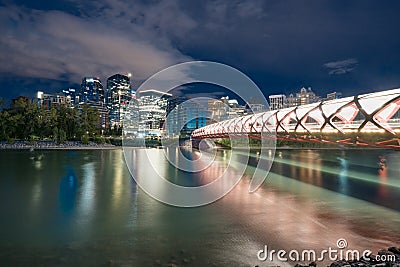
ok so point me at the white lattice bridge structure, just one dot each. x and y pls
(346, 121)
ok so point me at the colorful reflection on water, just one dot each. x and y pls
(83, 208)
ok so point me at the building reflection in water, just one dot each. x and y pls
(306, 165)
(393, 167)
(87, 197)
(68, 190)
(146, 163)
(344, 166)
(36, 193)
(382, 170)
(308, 216)
(285, 212)
(153, 172)
(37, 160)
(304, 214)
(383, 188)
(118, 178)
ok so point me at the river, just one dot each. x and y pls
(82, 208)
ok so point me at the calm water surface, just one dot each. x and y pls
(82, 208)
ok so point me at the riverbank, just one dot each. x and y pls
(72, 145)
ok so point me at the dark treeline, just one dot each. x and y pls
(26, 121)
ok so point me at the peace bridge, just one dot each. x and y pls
(368, 120)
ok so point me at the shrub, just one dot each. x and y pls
(85, 139)
(99, 140)
(62, 136)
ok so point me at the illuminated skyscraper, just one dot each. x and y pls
(119, 95)
(131, 118)
(218, 110)
(152, 111)
(70, 93)
(92, 93)
(224, 108)
(49, 101)
(91, 90)
(277, 101)
(184, 116)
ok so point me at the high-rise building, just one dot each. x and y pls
(218, 110)
(291, 101)
(224, 109)
(49, 101)
(152, 112)
(91, 90)
(255, 106)
(277, 101)
(235, 109)
(119, 95)
(333, 95)
(184, 116)
(131, 118)
(70, 93)
(102, 111)
(92, 93)
(305, 96)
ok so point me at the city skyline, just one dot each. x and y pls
(349, 48)
(187, 89)
(152, 113)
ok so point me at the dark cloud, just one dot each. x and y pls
(341, 66)
(57, 45)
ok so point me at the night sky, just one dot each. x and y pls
(347, 46)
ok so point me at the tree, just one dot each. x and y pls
(89, 120)
(3, 103)
(62, 136)
(30, 118)
(25, 120)
(41, 123)
(4, 124)
(68, 119)
(55, 134)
